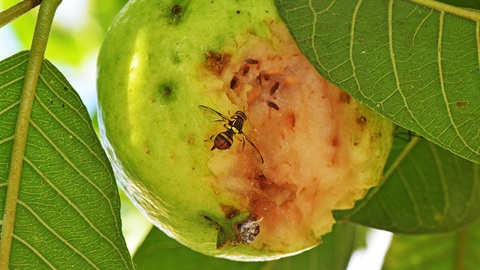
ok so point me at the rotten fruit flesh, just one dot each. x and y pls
(310, 148)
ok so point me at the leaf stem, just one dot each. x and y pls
(16, 11)
(471, 14)
(35, 61)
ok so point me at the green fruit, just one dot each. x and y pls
(313, 148)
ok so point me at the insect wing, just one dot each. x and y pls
(250, 141)
(212, 114)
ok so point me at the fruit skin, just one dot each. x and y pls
(153, 73)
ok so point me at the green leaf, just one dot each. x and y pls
(158, 251)
(417, 66)
(459, 250)
(68, 209)
(425, 189)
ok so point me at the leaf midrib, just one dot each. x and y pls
(466, 13)
(34, 65)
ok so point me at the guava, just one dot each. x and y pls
(224, 135)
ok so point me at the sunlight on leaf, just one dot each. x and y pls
(68, 206)
(158, 251)
(425, 189)
(418, 67)
(459, 250)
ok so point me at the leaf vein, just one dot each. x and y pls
(79, 211)
(57, 235)
(441, 173)
(394, 66)
(85, 120)
(477, 31)
(13, 67)
(393, 222)
(92, 183)
(442, 85)
(10, 107)
(312, 36)
(352, 39)
(34, 250)
(5, 140)
(42, 104)
(11, 82)
(412, 199)
(420, 26)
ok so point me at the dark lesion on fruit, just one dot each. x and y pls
(216, 62)
(233, 82)
(260, 177)
(167, 91)
(230, 211)
(176, 14)
(361, 121)
(272, 105)
(344, 98)
(274, 88)
(245, 70)
(236, 230)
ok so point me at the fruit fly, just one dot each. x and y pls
(234, 125)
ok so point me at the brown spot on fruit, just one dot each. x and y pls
(251, 61)
(147, 150)
(335, 141)
(230, 211)
(344, 98)
(216, 62)
(272, 105)
(261, 177)
(291, 119)
(361, 121)
(245, 70)
(167, 91)
(176, 10)
(176, 14)
(233, 82)
(191, 140)
(274, 88)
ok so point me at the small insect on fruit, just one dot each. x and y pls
(234, 125)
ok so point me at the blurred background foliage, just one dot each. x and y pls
(76, 37)
(79, 27)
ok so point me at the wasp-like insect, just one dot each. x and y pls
(234, 125)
